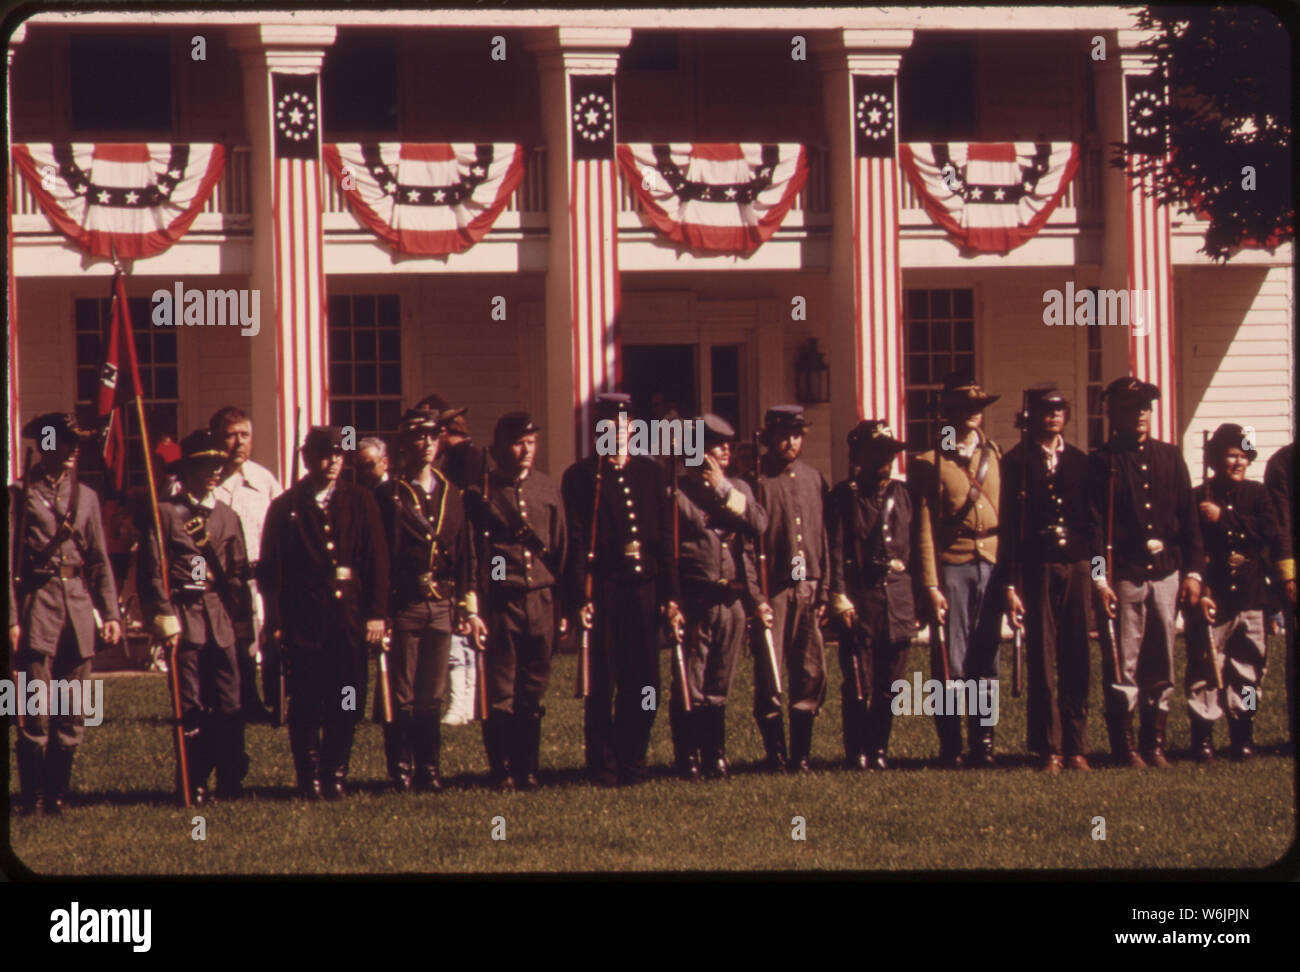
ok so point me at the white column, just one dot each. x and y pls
(576, 68)
(281, 65)
(859, 84)
(1150, 266)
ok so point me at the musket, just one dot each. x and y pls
(583, 687)
(17, 566)
(385, 691)
(1022, 541)
(484, 578)
(761, 543)
(679, 655)
(1112, 624)
(937, 641)
(1188, 616)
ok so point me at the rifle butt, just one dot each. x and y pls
(1018, 666)
(182, 760)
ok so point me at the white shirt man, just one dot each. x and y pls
(247, 488)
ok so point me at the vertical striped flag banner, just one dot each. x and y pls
(595, 296)
(1150, 266)
(15, 412)
(299, 274)
(877, 282)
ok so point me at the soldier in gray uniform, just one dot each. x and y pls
(793, 493)
(207, 612)
(719, 524)
(526, 546)
(59, 574)
(869, 524)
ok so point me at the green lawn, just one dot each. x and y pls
(916, 817)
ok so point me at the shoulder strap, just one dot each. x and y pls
(976, 486)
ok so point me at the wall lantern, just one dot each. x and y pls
(812, 376)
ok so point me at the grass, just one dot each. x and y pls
(122, 820)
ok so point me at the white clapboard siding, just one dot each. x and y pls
(1236, 360)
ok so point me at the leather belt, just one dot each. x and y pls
(965, 533)
(68, 571)
(632, 549)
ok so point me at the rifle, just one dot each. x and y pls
(484, 579)
(937, 640)
(1022, 540)
(679, 656)
(282, 656)
(761, 543)
(1188, 615)
(583, 687)
(1112, 624)
(17, 566)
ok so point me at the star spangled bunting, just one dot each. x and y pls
(723, 197)
(136, 198)
(591, 116)
(875, 130)
(295, 116)
(427, 198)
(1144, 101)
(991, 197)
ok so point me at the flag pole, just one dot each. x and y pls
(173, 676)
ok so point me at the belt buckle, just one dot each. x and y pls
(343, 573)
(1236, 560)
(1155, 546)
(632, 549)
(430, 586)
(896, 565)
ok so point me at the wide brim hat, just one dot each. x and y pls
(874, 435)
(962, 391)
(63, 424)
(1226, 436)
(200, 446)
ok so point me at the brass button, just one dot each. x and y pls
(329, 544)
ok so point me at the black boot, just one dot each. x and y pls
(336, 753)
(713, 741)
(772, 730)
(496, 736)
(1119, 726)
(58, 775)
(1202, 739)
(397, 752)
(527, 745)
(199, 744)
(1151, 737)
(231, 759)
(855, 734)
(801, 728)
(949, 729)
(685, 730)
(981, 743)
(31, 778)
(428, 745)
(1242, 737)
(305, 743)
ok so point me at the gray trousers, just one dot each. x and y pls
(1240, 651)
(714, 635)
(799, 651)
(973, 620)
(1147, 612)
(66, 729)
(418, 659)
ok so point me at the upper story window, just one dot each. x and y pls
(936, 89)
(120, 82)
(359, 84)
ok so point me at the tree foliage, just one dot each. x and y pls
(1228, 70)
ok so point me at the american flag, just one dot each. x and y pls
(878, 336)
(1150, 269)
(595, 295)
(299, 275)
(15, 413)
